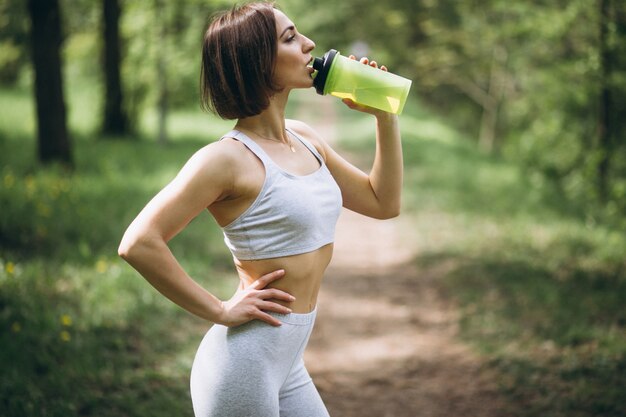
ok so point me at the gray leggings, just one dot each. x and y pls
(256, 370)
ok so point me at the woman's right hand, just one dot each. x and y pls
(250, 303)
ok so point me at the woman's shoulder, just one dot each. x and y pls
(302, 129)
(227, 149)
(220, 157)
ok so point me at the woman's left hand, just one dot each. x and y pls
(360, 107)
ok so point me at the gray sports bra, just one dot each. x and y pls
(292, 214)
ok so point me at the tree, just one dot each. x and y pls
(53, 139)
(115, 120)
(608, 126)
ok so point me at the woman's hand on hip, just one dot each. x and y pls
(251, 303)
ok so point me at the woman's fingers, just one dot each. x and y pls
(260, 315)
(261, 283)
(264, 280)
(353, 105)
(261, 309)
(275, 307)
(251, 303)
(350, 103)
(276, 294)
(365, 60)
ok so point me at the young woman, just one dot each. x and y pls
(276, 188)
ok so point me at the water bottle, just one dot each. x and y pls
(347, 78)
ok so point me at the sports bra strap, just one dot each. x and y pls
(252, 145)
(262, 155)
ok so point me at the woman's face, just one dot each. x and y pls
(293, 55)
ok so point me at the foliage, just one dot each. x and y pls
(82, 334)
(523, 79)
(75, 341)
(14, 39)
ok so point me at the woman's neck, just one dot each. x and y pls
(270, 122)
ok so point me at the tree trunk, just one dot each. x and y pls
(53, 139)
(115, 120)
(489, 120)
(605, 101)
(487, 133)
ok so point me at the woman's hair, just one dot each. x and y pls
(238, 55)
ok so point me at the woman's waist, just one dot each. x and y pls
(302, 279)
(305, 294)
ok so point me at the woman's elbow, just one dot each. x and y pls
(393, 213)
(388, 212)
(138, 244)
(125, 249)
(129, 246)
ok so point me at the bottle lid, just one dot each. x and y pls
(322, 66)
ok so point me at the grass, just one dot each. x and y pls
(82, 334)
(541, 288)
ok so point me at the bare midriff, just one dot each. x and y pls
(302, 279)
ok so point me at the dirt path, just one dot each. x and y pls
(384, 343)
(385, 340)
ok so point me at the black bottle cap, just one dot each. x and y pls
(322, 66)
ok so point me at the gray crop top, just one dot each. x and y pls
(292, 214)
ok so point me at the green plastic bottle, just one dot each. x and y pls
(346, 78)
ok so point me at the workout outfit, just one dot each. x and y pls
(292, 214)
(256, 369)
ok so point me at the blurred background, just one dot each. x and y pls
(515, 154)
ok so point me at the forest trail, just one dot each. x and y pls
(385, 342)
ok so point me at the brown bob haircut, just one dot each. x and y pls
(238, 56)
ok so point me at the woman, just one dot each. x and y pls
(276, 189)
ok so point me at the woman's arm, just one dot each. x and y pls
(207, 177)
(378, 194)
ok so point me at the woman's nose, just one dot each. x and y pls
(309, 45)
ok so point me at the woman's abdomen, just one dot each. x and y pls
(303, 275)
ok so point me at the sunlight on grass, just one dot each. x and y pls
(17, 112)
(427, 129)
(84, 110)
(186, 125)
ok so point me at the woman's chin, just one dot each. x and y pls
(309, 83)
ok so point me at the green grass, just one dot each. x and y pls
(541, 286)
(82, 333)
